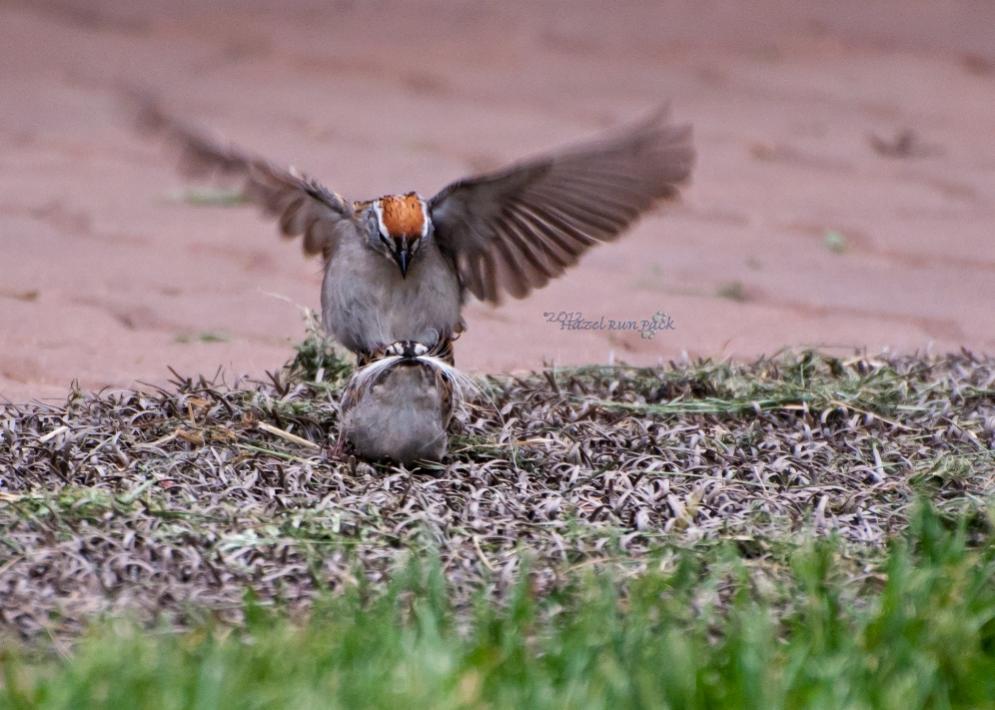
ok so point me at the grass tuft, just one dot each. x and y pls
(317, 358)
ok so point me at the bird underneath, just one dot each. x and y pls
(400, 267)
(400, 406)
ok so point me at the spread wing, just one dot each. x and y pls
(302, 205)
(515, 229)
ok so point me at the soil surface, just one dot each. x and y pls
(844, 195)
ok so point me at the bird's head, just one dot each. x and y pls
(399, 226)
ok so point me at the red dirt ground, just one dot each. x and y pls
(105, 279)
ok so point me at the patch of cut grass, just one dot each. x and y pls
(834, 241)
(734, 291)
(804, 381)
(206, 336)
(168, 505)
(209, 197)
(703, 627)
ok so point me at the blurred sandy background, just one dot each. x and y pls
(844, 196)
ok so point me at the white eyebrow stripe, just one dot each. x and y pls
(379, 210)
(426, 219)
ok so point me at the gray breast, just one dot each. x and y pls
(366, 304)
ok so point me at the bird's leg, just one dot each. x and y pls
(336, 452)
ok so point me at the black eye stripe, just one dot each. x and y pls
(409, 242)
(398, 243)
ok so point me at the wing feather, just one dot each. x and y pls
(302, 205)
(514, 230)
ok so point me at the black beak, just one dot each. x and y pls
(402, 255)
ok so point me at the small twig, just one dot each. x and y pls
(286, 435)
(158, 442)
(481, 555)
(52, 434)
(271, 452)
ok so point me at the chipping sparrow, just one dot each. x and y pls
(397, 268)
